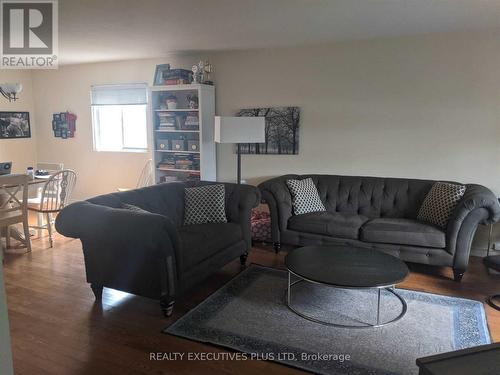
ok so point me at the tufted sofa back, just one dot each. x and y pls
(368, 196)
(372, 196)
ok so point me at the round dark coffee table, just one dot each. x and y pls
(346, 267)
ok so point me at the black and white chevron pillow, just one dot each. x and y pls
(440, 202)
(305, 196)
(205, 204)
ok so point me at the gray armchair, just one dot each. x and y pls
(151, 253)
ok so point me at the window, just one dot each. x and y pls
(119, 117)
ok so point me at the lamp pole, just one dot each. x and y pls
(239, 163)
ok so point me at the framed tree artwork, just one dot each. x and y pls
(14, 125)
(282, 131)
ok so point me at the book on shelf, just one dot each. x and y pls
(177, 74)
(180, 161)
(166, 121)
(176, 81)
(196, 161)
(169, 178)
(193, 177)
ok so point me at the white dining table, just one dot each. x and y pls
(15, 232)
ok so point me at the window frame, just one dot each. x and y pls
(96, 123)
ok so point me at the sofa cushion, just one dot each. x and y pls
(403, 232)
(201, 241)
(328, 223)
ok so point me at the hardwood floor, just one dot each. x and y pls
(58, 329)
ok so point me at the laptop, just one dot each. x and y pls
(5, 168)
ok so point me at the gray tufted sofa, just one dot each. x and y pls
(380, 213)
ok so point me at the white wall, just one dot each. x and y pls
(420, 107)
(22, 152)
(68, 88)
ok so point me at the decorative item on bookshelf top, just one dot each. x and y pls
(158, 78)
(166, 76)
(201, 72)
(64, 125)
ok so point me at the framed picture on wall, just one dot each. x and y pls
(15, 125)
(282, 131)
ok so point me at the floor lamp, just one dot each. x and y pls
(240, 130)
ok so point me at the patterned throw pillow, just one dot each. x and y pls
(305, 197)
(440, 202)
(205, 204)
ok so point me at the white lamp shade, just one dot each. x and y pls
(240, 129)
(11, 88)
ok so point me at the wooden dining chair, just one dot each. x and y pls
(55, 196)
(51, 168)
(146, 178)
(13, 210)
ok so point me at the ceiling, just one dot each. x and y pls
(104, 30)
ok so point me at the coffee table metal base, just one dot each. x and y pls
(390, 288)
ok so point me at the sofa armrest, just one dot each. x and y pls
(240, 200)
(278, 197)
(478, 206)
(137, 252)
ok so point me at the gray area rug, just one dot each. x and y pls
(249, 315)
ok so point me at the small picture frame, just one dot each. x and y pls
(160, 69)
(15, 125)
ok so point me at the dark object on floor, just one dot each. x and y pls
(346, 267)
(248, 314)
(493, 262)
(150, 253)
(380, 213)
(479, 360)
(261, 226)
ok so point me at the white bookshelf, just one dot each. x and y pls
(163, 157)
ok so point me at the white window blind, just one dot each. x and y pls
(119, 94)
(119, 117)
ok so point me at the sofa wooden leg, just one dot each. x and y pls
(97, 289)
(457, 275)
(277, 247)
(167, 306)
(243, 258)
